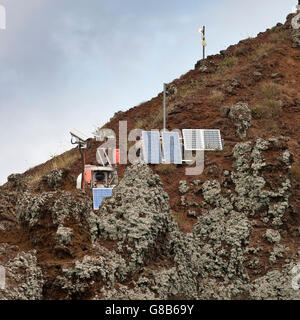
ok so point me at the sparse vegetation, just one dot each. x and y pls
(296, 172)
(270, 91)
(230, 62)
(262, 50)
(269, 109)
(189, 88)
(64, 161)
(227, 63)
(269, 106)
(140, 124)
(277, 37)
(217, 96)
(158, 118)
(271, 126)
(241, 50)
(165, 169)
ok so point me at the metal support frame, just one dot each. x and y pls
(83, 157)
(82, 147)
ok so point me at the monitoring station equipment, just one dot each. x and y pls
(100, 179)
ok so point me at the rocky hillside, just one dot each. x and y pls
(231, 233)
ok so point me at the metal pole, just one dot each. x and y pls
(165, 87)
(82, 152)
(203, 40)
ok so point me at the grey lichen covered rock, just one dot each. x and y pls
(137, 221)
(18, 182)
(295, 33)
(273, 236)
(275, 285)
(31, 208)
(183, 187)
(24, 279)
(171, 89)
(287, 158)
(250, 183)
(296, 38)
(137, 215)
(64, 235)
(278, 252)
(241, 115)
(54, 179)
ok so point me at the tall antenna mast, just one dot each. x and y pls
(81, 140)
(204, 44)
(164, 106)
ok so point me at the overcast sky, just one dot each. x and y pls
(74, 63)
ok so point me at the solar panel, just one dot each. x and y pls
(212, 140)
(193, 139)
(171, 147)
(99, 194)
(151, 147)
(202, 139)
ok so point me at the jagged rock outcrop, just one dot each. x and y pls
(295, 35)
(241, 115)
(171, 89)
(24, 278)
(59, 206)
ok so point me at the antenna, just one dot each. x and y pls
(204, 44)
(165, 88)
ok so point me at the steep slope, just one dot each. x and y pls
(261, 72)
(231, 233)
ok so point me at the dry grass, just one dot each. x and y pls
(140, 124)
(296, 172)
(165, 169)
(226, 65)
(277, 37)
(229, 62)
(63, 161)
(158, 118)
(262, 50)
(270, 91)
(217, 96)
(241, 50)
(269, 109)
(268, 106)
(272, 127)
(189, 89)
